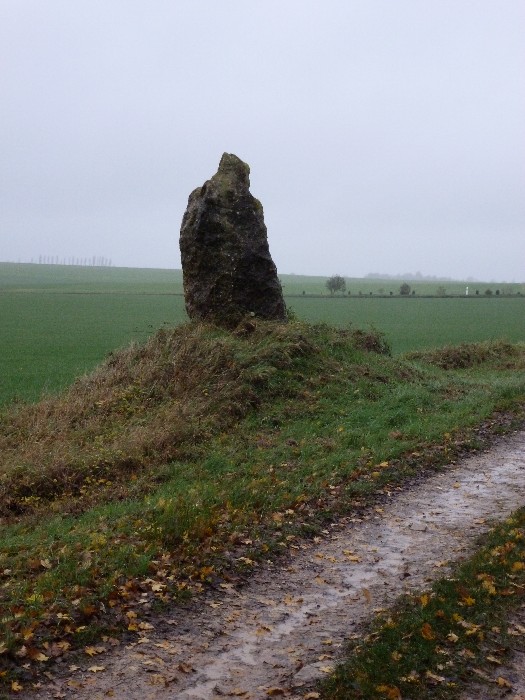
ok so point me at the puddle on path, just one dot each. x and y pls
(285, 628)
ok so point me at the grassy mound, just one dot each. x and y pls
(142, 407)
(183, 461)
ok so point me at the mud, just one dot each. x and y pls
(285, 628)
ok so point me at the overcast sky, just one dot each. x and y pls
(382, 136)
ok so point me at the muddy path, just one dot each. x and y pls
(285, 628)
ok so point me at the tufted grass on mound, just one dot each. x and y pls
(142, 407)
(183, 461)
(499, 354)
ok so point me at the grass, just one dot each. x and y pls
(59, 322)
(49, 339)
(180, 462)
(412, 324)
(433, 643)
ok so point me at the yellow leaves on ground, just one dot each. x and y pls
(96, 669)
(487, 583)
(93, 651)
(16, 687)
(351, 556)
(468, 600)
(205, 572)
(247, 561)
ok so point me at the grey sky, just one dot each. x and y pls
(382, 136)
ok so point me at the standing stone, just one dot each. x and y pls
(227, 268)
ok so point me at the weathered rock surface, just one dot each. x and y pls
(227, 268)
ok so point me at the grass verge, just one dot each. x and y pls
(179, 463)
(434, 644)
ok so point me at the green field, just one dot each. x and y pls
(59, 321)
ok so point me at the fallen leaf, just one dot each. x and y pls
(93, 651)
(493, 660)
(351, 556)
(185, 668)
(503, 682)
(16, 687)
(432, 676)
(426, 632)
(96, 669)
(392, 692)
(145, 626)
(326, 669)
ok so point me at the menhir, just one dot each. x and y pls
(227, 268)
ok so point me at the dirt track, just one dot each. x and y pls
(285, 628)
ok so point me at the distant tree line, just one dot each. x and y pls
(94, 261)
